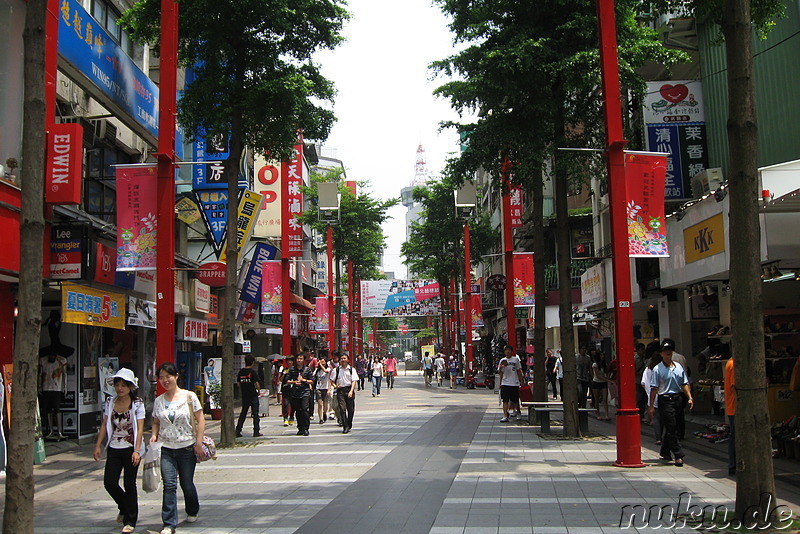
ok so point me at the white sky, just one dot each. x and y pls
(385, 106)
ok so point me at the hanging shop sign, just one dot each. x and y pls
(524, 294)
(141, 312)
(292, 205)
(675, 123)
(68, 252)
(187, 211)
(515, 202)
(251, 289)
(64, 167)
(704, 239)
(268, 185)
(201, 296)
(593, 286)
(213, 311)
(496, 282)
(644, 185)
(136, 217)
(249, 206)
(212, 273)
(93, 307)
(214, 209)
(105, 268)
(399, 298)
(271, 292)
(192, 329)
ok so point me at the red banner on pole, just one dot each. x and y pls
(291, 181)
(64, 167)
(515, 192)
(644, 184)
(136, 217)
(271, 292)
(476, 310)
(524, 294)
(322, 316)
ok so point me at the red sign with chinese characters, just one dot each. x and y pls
(644, 184)
(291, 181)
(524, 294)
(64, 168)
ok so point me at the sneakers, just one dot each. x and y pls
(127, 529)
(291, 421)
(191, 519)
(504, 420)
(167, 530)
(285, 422)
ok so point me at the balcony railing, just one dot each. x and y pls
(576, 268)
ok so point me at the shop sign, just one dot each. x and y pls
(593, 286)
(249, 206)
(141, 312)
(291, 182)
(145, 283)
(212, 273)
(64, 167)
(515, 206)
(136, 217)
(192, 329)
(201, 295)
(68, 252)
(246, 347)
(213, 311)
(112, 76)
(268, 185)
(105, 268)
(187, 210)
(271, 319)
(521, 313)
(251, 289)
(214, 209)
(496, 282)
(93, 307)
(704, 239)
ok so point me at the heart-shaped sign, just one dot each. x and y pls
(674, 93)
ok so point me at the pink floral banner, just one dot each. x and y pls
(644, 184)
(476, 310)
(271, 291)
(136, 218)
(524, 294)
(322, 316)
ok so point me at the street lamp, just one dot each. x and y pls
(329, 212)
(466, 199)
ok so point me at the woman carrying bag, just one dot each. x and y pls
(123, 424)
(179, 423)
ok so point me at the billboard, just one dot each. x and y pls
(400, 298)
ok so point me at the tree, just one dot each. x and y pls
(18, 513)
(255, 85)
(531, 72)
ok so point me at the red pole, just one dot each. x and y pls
(286, 307)
(467, 302)
(350, 329)
(629, 438)
(165, 253)
(50, 61)
(508, 247)
(331, 301)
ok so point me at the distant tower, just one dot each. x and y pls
(420, 171)
(414, 209)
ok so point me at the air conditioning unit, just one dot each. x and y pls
(706, 182)
(105, 132)
(86, 124)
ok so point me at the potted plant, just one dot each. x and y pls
(214, 392)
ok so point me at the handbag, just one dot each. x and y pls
(151, 468)
(207, 442)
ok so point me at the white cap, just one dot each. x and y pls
(128, 376)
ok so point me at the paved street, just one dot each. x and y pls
(418, 460)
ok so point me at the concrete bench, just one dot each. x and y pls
(539, 412)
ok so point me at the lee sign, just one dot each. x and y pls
(64, 167)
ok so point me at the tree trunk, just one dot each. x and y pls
(227, 430)
(564, 260)
(755, 478)
(540, 287)
(18, 514)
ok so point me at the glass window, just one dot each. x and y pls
(111, 26)
(99, 12)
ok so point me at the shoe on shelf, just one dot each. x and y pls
(257, 434)
(127, 529)
(504, 420)
(191, 519)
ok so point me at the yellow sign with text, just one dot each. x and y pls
(94, 307)
(704, 239)
(249, 208)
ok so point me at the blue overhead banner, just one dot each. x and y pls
(251, 290)
(214, 208)
(88, 49)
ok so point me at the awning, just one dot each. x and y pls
(300, 301)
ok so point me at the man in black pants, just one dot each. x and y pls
(248, 386)
(344, 379)
(301, 376)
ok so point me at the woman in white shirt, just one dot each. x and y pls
(377, 376)
(321, 386)
(123, 423)
(600, 385)
(179, 423)
(558, 369)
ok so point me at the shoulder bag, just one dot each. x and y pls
(209, 447)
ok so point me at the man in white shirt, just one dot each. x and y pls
(344, 379)
(510, 379)
(440, 365)
(427, 368)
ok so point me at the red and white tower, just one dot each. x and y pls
(420, 171)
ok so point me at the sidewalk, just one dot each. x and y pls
(418, 460)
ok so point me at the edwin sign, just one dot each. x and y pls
(64, 164)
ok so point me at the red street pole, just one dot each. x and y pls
(50, 61)
(467, 302)
(165, 253)
(629, 438)
(286, 306)
(350, 332)
(508, 247)
(331, 301)
(451, 339)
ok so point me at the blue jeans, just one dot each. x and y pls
(175, 464)
(376, 385)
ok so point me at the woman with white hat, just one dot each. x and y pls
(123, 424)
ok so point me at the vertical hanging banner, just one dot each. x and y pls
(214, 209)
(515, 193)
(249, 206)
(291, 181)
(476, 310)
(251, 289)
(322, 316)
(524, 294)
(268, 185)
(64, 167)
(136, 217)
(271, 287)
(644, 184)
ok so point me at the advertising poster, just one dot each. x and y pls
(68, 252)
(136, 218)
(249, 206)
(644, 184)
(141, 312)
(399, 298)
(291, 181)
(90, 306)
(251, 288)
(476, 310)
(322, 316)
(271, 294)
(268, 185)
(107, 367)
(214, 210)
(524, 294)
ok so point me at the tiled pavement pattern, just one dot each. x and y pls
(419, 460)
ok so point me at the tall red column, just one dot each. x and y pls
(350, 329)
(50, 61)
(331, 299)
(286, 308)
(508, 247)
(467, 301)
(629, 438)
(165, 253)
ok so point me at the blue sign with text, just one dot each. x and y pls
(251, 290)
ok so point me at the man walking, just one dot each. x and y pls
(427, 368)
(248, 387)
(679, 359)
(344, 379)
(301, 376)
(668, 380)
(583, 365)
(440, 365)
(510, 380)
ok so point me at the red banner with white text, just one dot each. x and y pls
(644, 184)
(291, 181)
